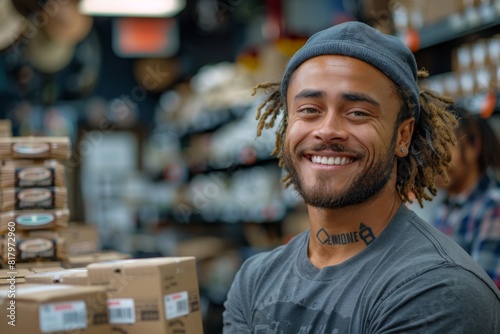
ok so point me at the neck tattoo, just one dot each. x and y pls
(365, 233)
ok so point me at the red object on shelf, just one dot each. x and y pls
(488, 105)
(412, 39)
(145, 37)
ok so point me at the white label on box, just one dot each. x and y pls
(63, 316)
(121, 311)
(176, 305)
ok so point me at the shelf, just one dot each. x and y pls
(474, 103)
(243, 164)
(446, 31)
(212, 120)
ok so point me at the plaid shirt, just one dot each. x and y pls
(473, 221)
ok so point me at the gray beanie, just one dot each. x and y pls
(356, 39)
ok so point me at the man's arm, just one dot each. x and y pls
(445, 300)
(234, 317)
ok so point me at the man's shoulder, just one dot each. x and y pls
(429, 251)
(281, 255)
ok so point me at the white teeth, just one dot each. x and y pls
(330, 160)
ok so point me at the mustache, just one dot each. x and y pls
(331, 147)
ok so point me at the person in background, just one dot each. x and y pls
(470, 211)
(358, 136)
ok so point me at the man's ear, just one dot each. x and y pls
(405, 132)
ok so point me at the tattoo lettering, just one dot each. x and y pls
(366, 234)
(337, 239)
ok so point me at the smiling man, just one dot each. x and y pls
(357, 137)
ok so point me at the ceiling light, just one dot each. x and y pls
(140, 8)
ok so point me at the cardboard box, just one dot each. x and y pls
(81, 239)
(39, 308)
(65, 276)
(155, 295)
(80, 261)
(5, 128)
(7, 275)
(37, 270)
(35, 246)
(33, 220)
(38, 266)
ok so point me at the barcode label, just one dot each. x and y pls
(64, 316)
(176, 305)
(121, 311)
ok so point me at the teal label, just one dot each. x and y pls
(37, 219)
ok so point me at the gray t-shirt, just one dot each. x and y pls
(411, 279)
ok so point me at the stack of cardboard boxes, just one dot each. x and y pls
(34, 215)
(33, 200)
(135, 296)
(56, 280)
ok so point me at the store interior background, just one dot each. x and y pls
(161, 115)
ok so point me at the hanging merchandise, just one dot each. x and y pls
(12, 24)
(67, 24)
(44, 71)
(47, 55)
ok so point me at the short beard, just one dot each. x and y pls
(363, 189)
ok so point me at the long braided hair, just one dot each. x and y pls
(429, 153)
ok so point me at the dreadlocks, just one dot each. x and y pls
(429, 153)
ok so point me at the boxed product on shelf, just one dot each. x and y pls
(41, 308)
(34, 147)
(437, 11)
(36, 246)
(32, 173)
(27, 220)
(418, 14)
(33, 198)
(82, 260)
(76, 276)
(154, 295)
(81, 238)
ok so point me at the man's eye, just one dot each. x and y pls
(358, 113)
(308, 111)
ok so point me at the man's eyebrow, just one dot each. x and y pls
(359, 97)
(309, 93)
